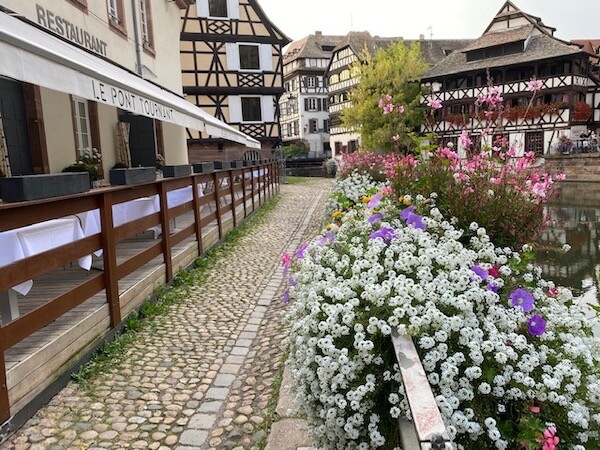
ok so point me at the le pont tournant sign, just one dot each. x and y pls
(63, 27)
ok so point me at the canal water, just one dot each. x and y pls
(575, 220)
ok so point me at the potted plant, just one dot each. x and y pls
(88, 161)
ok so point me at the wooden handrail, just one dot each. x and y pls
(17, 215)
(427, 429)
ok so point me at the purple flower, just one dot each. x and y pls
(292, 282)
(412, 219)
(375, 201)
(327, 239)
(385, 233)
(491, 286)
(300, 251)
(406, 212)
(537, 325)
(285, 298)
(375, 218)
(480, 272)
(520, 298)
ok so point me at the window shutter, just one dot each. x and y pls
(235, 109)
(202, 8)
(305, 104)
(266, 58)
(325, 105)
(318, 104)
(268, 109)
(233, 56)
(233, 9)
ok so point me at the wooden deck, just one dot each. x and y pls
(36, 361)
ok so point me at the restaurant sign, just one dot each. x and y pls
(63, 27)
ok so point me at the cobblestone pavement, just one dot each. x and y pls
(202, 377)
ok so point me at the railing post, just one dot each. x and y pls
(4, 402)
(109, 257)
(197, 215)
(166, 231)
(244, 191)
(232, 193)
(218, 204)
(252, 184)
(259, 186)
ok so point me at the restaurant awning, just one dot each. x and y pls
(34, 56)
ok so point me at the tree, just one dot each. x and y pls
(393, 71)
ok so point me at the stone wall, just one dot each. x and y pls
(582, 167)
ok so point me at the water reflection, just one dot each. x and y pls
(575, 219)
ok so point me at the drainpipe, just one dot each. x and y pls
(138, 52)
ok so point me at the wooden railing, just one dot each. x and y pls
(246, 188)
(426, 430)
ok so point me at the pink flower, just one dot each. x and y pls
(434, 104)
(464, 139)
(396, 137)
(534, 85)
(534, 409)
(387, 190)
(286, 260)
(550, 441)
(496, 180)
(560, 177)
(400, 109)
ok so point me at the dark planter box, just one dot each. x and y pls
(133, 175)
(204, 167)
(246, 163)
(34, 187)
(184, 170)
(236, 164)
(222, 165)
(254, 162)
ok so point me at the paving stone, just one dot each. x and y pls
(203, 373)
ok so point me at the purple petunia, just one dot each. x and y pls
(292, 282)
(285, 298)
(520, 298)
(327, 239)
(375, 218)
(491, 286)
(375, 201)
(385, 233)
(300, 251)
(413, 219)
(480, 272)
(537, 325)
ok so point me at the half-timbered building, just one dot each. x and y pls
(343, 76)
(231, 57)
(304, 105)
(515, 48)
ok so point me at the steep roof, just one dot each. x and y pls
(312, 46)
(435, 50)
(510, 25)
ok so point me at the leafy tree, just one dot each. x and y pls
(393, 71)
(298, 149)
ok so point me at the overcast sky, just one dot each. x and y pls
(409, 18)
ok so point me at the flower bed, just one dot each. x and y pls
(510, 357)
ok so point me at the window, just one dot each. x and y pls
(312, 104)
(249, 57)
(146, 25)
(312, 126)
(81, 121)
(251, 111)
(82, 4)
(217, 8)
(534, 142)
(116, 16)
(311, 82)
(326, 125)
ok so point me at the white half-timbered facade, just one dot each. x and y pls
(231, 57)
(515, 48)
(304, 106)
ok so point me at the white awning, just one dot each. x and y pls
(34, 56)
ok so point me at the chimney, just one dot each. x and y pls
(319, 33)
(421, 37)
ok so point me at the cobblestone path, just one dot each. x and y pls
(202, 377)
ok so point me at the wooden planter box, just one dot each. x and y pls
(35, 187)
(184, 170)
(222, 165)
(133, 175)
(205, 167)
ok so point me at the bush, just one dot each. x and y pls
(509, 356)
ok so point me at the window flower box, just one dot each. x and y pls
(204, 167)
(35, 187)
(184, 170)
(222, 165)
(132, 175)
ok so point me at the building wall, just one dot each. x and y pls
(174, 137)
(58, 120)
(107, 119)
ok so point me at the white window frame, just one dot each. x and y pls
(265, 57)
(233, 10)
(311, 82)
(312, 104)
(77, 101)
(145, 27)
(113, 10)
(259, 69)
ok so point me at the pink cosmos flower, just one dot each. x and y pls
(434, 104)
(534, 85)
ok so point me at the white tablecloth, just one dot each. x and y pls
(136, 209)
(23, 242)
